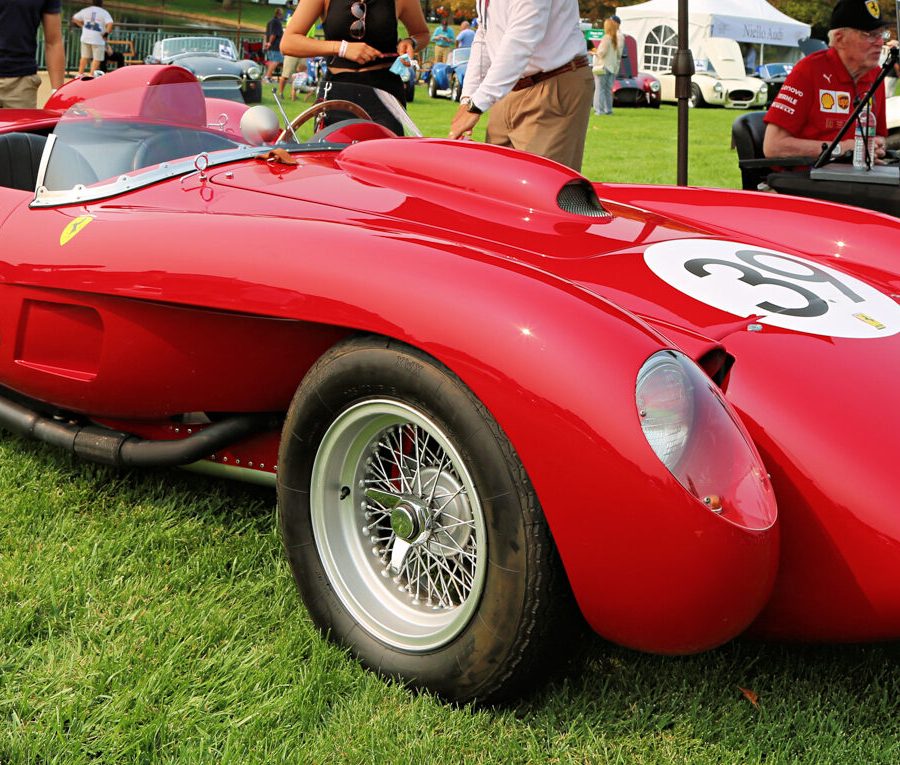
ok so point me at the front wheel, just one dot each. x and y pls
(455, 89)
(432, 86)
(696, 100)
(413, 533)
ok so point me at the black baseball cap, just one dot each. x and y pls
(857, 14)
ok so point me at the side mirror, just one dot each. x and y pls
(259, 125)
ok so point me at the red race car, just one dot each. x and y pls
(631, 87)
(584, 406)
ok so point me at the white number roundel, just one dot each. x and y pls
(779, 289)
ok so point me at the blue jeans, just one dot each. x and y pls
(603, 100)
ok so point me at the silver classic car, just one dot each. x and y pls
(213, 61)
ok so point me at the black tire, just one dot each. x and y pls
(344, 523)
(455, 89)
(696, 101)
(432, 86)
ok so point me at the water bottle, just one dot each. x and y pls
(865, 138)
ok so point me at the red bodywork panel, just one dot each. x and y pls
(216, 293)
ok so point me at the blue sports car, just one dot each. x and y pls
(446, 79)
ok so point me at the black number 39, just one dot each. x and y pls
(756, 273)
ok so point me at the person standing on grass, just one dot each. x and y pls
(96, 24)
(19, 22)
(444, 41)
(361, 42)
(529, 68)
(272, 44)
(465, 36)
(607, 57)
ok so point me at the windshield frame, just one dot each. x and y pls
(126, 182)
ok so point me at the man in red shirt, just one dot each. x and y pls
(823, 88)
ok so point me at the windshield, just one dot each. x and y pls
(776, 70)
(459, 56)
(114, 139)
(125, 137)
(177, 46)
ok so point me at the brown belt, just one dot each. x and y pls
(576, 63)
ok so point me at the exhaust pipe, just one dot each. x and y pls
(112, 447)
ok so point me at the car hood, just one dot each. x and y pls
(617, 249)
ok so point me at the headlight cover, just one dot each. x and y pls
(718, 88)
(254, 72)
(654, 86)
(764, 88)
(698, 437)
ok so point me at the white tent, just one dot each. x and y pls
(750, 21)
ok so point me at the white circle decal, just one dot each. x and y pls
(775, 288)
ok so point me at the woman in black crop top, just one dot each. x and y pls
(360, 40)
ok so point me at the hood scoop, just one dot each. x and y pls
(459, 172)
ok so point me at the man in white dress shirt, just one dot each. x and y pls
(529, 67)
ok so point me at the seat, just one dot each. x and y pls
(747, 133)
(20, 158)
(175, 144)
(126, 48)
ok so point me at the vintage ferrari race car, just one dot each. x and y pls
(667, 412)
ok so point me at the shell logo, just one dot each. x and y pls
(827, 101)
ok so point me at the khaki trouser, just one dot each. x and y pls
(19, 92)
(442, 53)
(549, 118)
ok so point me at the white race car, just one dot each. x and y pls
(719, 79)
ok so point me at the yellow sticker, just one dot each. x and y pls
(74, 227)
(874, 9)
(869, 320)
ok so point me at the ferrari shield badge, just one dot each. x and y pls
(775, 288)
(74, 227)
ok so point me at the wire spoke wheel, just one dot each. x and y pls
(413, 532)
(398, 525)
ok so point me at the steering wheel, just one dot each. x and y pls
(321, 108)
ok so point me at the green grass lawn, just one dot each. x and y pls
(149, 617)
(631, 146)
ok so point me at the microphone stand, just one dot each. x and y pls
(892, 58)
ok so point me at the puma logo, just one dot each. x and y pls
(827, 77)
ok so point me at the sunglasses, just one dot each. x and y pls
(358, 27)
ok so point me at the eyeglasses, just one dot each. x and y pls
(876, 35)
(358, 27)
